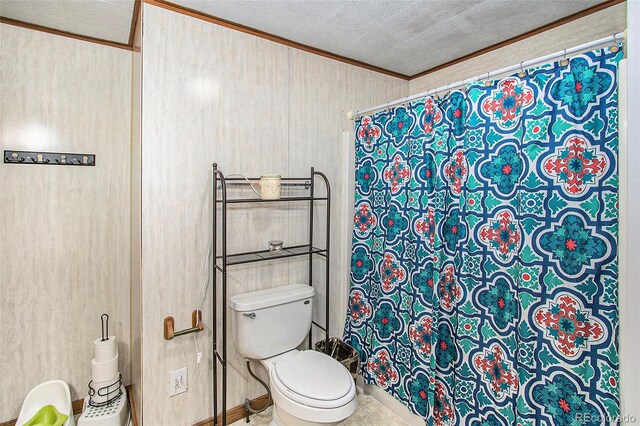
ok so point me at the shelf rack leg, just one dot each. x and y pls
(327, 260)
(214, 251)
(311, 194)
(217, 174)
(224, 301)
(327, 265)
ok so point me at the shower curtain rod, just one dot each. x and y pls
(612, 38)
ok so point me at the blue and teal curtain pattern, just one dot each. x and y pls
(484, 267)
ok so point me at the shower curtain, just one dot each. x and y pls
(484, 262)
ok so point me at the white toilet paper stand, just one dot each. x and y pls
(115, 413)
(107, 403)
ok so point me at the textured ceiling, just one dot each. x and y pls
(405, 36)
(104, 19)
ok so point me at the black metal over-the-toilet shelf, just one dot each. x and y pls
(224, 260)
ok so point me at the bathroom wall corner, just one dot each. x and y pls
(136, 220)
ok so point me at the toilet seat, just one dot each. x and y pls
(313, 379)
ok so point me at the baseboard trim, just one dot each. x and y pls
(236, 413)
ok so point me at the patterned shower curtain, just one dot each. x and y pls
(484, 263)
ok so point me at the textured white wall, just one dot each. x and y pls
(64, 233)
(214, 94)
(601, 24)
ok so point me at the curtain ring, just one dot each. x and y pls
(564, 62)
(521, 73)
(487, 83)
(615, 46)
(387, 108)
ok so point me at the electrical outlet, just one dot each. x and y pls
(178, 381)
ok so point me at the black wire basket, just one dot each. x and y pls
(343, 353)
(110, 393)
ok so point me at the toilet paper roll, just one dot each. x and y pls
(105, 350)
(104, 371)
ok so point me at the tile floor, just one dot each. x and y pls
(369, 413)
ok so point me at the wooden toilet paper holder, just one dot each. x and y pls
(196, 326)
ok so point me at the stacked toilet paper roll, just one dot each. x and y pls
(104, 368)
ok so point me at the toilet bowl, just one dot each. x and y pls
(309, 388)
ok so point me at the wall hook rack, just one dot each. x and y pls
(49, 158)
(196, 326)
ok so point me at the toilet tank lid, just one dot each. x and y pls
(270, 297)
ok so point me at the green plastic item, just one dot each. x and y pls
(47, 416)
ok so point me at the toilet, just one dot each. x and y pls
(308, 387)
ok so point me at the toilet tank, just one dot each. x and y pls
(270, 322)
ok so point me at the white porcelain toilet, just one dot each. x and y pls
(308, 387)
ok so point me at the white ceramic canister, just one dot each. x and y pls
(270, 187)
